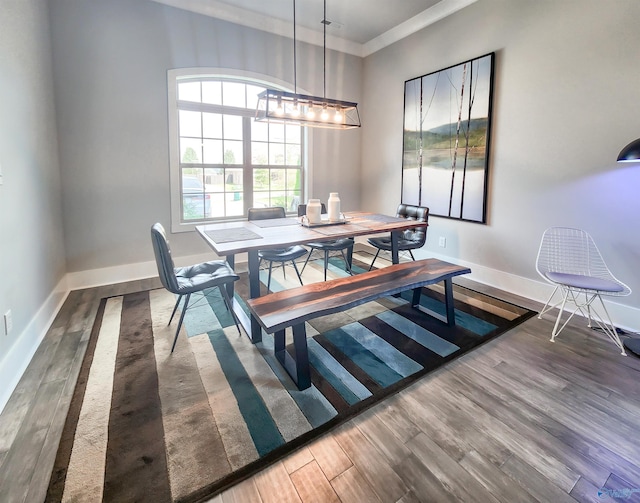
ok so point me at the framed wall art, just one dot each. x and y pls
(447, 124)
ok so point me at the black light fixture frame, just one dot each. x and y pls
(275, 105)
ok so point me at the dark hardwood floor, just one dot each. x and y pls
(519, 419)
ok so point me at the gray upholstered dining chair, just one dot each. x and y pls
(335, 245)
(183, 281)
(411, 239)
(282, 255)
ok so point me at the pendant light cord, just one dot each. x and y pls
(295, 82)
(324, 52)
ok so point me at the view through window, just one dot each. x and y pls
(227, 161)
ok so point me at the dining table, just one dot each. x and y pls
(227, 239)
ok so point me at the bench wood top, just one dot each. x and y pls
(286, 308)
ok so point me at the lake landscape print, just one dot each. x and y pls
(447, 119)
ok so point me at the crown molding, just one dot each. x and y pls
(236, 15)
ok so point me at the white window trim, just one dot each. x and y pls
(173, 76)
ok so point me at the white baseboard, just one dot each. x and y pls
(15, 362)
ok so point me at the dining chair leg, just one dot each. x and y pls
(346, 263)
(374, 259)
(227, 301)
(326, 263)
(174, 309)
(305, 262)
(184, 311)
(412, 257)
(269, 280)
(297, 272)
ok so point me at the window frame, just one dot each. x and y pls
(174, 77)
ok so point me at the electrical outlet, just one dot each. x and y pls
(8, 322)
(442, 242)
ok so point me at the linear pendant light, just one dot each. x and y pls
(284, 107)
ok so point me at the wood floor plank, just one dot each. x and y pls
(381, 437)
(297, 460)
(330, 457)
(499, 484)
(351, 487)
(380, 475)
(275, 486)
(312, 485)
(464, 486)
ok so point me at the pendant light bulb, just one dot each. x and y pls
(296, 111)
(311, 113)
(279, 109)
(338, 116)
(325, 114)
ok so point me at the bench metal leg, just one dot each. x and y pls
(298, 368)
(448, 301)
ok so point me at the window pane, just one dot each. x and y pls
(293, 200)
(259, 131)
(279, 199)
(276, 154)
(276, 132)
(259, 153)
(293, 133)
(217, 205)
(261, 199)
(189, 91)
(214, 179)
(293, 155)
(278, 179)
(260, 179)
(233, 152)
(190, 123)
(190, 151)
(235, 204)
(232, 127)
(212, 151)
(294, 181)
(252, 95)
(212, 125)
(233, 94)
(212, 92)
(195, 203)
(233, 180)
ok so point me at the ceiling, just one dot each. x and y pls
(359, 27)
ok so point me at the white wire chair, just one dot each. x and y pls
(570, 260)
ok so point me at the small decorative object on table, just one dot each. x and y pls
(314, 211)
(334, 207)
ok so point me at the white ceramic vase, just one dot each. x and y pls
(314, 211)
(334, 207)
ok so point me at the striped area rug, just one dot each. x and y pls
(148, 425)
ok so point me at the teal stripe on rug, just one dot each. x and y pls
(225, 318)
(362, 357)
(393, 358)
(199, 319)
(327, 373)
(422, 336)
(338, 370)
(262, 428)
(313, 404)
(464, 320)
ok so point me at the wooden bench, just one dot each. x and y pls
(291, 308)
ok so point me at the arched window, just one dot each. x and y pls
(222, 161)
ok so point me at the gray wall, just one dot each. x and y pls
(567, 89)
(110, 65)
(32, 256)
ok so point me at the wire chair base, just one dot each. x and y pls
(586, 309)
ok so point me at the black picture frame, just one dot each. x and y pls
(446, 138)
